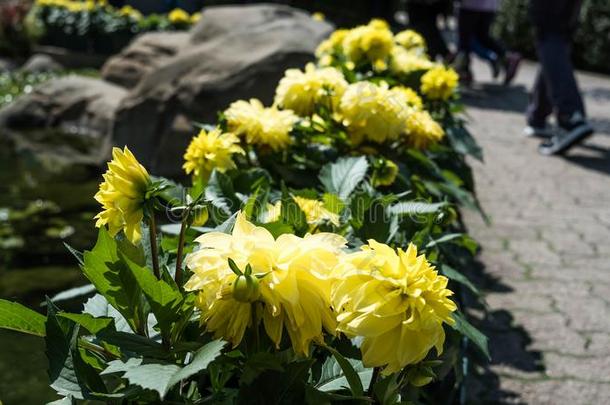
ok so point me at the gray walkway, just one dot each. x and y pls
(547, 251)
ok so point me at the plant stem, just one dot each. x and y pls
(255, 327)
(179, 252)
(373, 381)
(153, 245)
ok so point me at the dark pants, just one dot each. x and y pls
(475, 25)
(423, 19)
(555, 88)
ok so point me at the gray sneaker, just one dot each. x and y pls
(573, 131)
(531, 131)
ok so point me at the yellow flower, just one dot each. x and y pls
(211, 150)
(195, 17)
(370, 42)
(405, 62)
(314, 210)
(178, 16)
(413, 99)
(318, 16)
(386, 176)
(373, 112)
(332, 44)
(260, 125)
(294, 283)
(396, 301)
(128, 11)
(422, 130)
(122, 195)
(410, 39)
(439, 83)
(302, 91)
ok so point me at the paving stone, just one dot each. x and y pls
(548, 249)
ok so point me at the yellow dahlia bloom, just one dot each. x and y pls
(373, 112)
(314, 211)
(372, 42)
(178, 16)
(422, 130)
(405, 62)
(302, 91)
(411, 40)
(293, 288)
(413, 99)
(122, 195)
(260, 125)
(211, 150)
(318, 16)
(439, 83)
(332, 44)
(128, 11)
(396, 301)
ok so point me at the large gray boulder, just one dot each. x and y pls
(145, 54)
(234, 53)
(65, 121)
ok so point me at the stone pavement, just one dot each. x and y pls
(546, 253)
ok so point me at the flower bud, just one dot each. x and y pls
(246, 288)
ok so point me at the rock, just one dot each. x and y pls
(40, 63)
(145, 53)
(63, 122)
(241, 53)
(6, 65)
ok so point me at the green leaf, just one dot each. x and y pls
(257, 364)
(220, 193)
(162, 377)
(164, 300)
(472, 333)
(113, 279)
(352, 372)
(132, 343)
(459, 239)
(455, 275)
(98, 307)
(60, 341)
(277, 228)
(291, 213)
(416, 208)
(16, 317)
(333, 203)
(63, 401)
(93, 325)
(343, 176)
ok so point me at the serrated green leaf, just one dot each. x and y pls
(291, 213)
(472, 333)
(98, 307)
(220, 193)
(19, 318)
(333, 203)
(343, 176)
(161, 377)
(73, 293)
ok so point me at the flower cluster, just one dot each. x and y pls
(393, 299)
(439, 83)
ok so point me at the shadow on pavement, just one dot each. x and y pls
(595, 157)
(496, 97)
(508, 346)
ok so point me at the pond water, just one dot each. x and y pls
(42, 206)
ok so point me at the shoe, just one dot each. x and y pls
(531, 131)
(511, 66)
(574, 130)
(495, 67)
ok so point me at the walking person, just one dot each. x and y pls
(423, 18)
(555, 88)
(475, 18)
